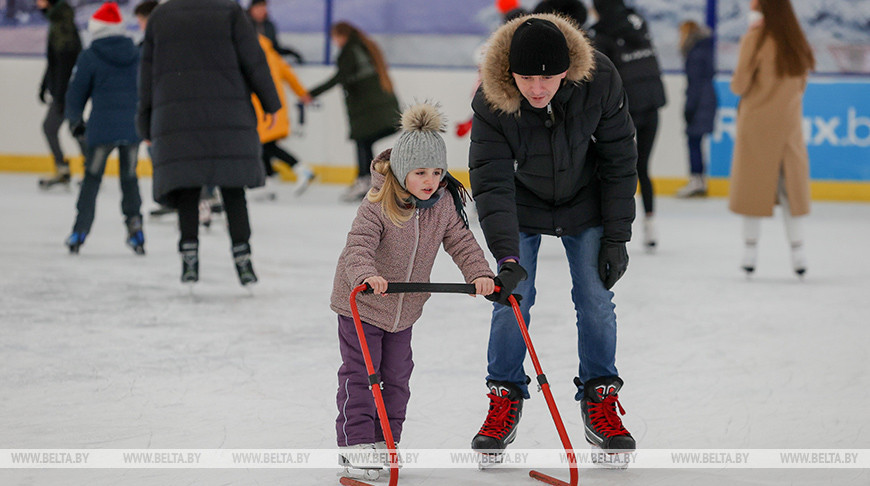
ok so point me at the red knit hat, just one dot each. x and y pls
(106, 21)
(505, 6)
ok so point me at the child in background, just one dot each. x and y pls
(413, 207)
(105, 73)
(269, 132)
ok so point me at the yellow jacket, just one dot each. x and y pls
(281, 71)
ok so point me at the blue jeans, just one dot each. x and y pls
(95, 165)
(596, 319)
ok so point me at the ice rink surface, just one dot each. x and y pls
(106, 350)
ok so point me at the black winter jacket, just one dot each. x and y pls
(554, 175)
(201, 60)
(623, 36)
(64, 46)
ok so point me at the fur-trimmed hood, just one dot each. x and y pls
(498, 85)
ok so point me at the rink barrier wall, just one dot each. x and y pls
(331, 174)
(322, 140)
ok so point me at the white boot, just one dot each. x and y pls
(359, 189)
(381, 447)
(798, 259)
(696, 187)
(304, 176)
(750, 256)
(360, 461)
(650, 236)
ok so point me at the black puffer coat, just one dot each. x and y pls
(64, 46)
(622, 35)
(555, 176)
(200, 61)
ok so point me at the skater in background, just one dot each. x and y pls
(204, 132)
(573, 9)
(64, 46)
(553, 153)
(413, 208)
(143, 11)
(622, 35)
(771, 163)
(696, 46)
(105, 73)
(372, 107)
(258, 12)
(273, 130)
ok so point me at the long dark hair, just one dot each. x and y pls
(348, 30)
(794, 57)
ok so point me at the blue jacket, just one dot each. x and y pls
(701, 102)
(106, 73)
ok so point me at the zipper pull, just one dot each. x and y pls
(552, 121)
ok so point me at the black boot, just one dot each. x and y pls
(189, 261)
(242, 259)
(500, 427)
(135, 236)
(598, 408)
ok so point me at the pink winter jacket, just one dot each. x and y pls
(376, 246)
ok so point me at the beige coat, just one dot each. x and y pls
(769, 133)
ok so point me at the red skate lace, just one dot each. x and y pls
(604, 419)
(500, 418)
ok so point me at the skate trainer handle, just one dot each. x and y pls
(432, 288)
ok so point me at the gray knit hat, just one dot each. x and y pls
(420, 145)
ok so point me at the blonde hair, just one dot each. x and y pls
(396, 202)
(687, 29)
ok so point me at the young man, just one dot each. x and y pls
(553, 153)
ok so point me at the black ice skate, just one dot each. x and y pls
(75, 241)
(242, 259)
(604, 429)
(135, 236)
(500, 427)
(189, 262)
(61, 178)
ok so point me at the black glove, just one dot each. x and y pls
(612, 262)
(78, 129)
(509, 276)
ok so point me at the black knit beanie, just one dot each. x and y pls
(538, 48)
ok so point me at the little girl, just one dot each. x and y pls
(413, 207)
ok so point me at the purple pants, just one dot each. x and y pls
(357, 421)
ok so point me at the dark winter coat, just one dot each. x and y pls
(106, 74)
(200, 62)
(701, 102)
(622, 35)
(64, 46)
(555, 176)
(370, 110)
(267, 29)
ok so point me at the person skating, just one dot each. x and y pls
(413, 208)
(553, 153)
(63, 48)
(105, 74)
(195, 109)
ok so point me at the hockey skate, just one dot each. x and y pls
(205, 213)
(161, 211)
(500, 427)
(360, 461)
(61, 178)
(189, 262)
(604, 431)
(244, 268)
(75, 241)
(135, 236)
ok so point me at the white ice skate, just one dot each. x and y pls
(750, 257)
(360, 461)
(487, 460)
(696, 187)
(798, 259)
(304, 176)
(650, 236)
(384, 452)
